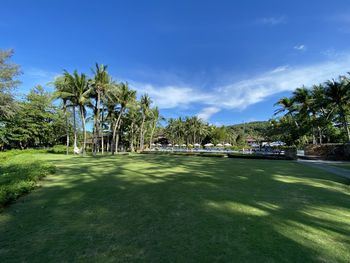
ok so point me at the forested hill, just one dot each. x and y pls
(252, 129)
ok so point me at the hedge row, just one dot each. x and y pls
(229, 155)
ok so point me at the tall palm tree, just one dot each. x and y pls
(134, 117)
(63, 91)
(338, 95)
(324, 112)
(145, 107)
(80, 93)
(123, 96)
(286, 105)
(100, 83)
(306, 112)
(155, 115)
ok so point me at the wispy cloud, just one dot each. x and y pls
(243, 93)
(273, 21)
(168, 97)
(207, 112)
(300, 47)
(39, 76)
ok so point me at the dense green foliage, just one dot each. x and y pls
(8, 81)
(19, 173)
(146, 208)
(36, 123)
(111, 104)
(122, 122)
(192, 130)
(317, 115)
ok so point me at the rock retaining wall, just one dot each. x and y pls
(329, 151)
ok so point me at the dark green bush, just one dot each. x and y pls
(59, 149)
(18, 176)
(259, 156)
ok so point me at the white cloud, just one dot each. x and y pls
(241, 94)
(167, 97)
(273, 21)
(207, 112)
(300, 47)
(246, 92)
(279, 69)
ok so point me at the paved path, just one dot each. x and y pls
(326, 166)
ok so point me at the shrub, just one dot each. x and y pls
(59, 149)
(19, 176)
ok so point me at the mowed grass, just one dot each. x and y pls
(343, 165)
(19, 176)
(144, 208)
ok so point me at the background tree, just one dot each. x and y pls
(100, 84)
(80, 94)
(145, 104)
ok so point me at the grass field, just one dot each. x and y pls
(144, 208)
(343, 166)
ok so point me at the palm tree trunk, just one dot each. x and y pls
(67, 127)
(320, 134)
(141, 133)
(98, 122)
(84, 129)
(347, 129)
(115, 128)
(152, 132)
(113, 138)
(132, 138)
(117, 137)
(102, 139)
(345, 123)
(75, 128)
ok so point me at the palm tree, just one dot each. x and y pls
(123, 96)
(286, 105)
(134, 120)
(304, 103)
(80, 94)
(155, 115)
(324, 112)
(338, 95)
(100, 84)
(63, 92)
(145, 106)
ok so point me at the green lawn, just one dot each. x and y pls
(145, 208)
(343, 165)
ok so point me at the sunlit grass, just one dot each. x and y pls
(144, 208)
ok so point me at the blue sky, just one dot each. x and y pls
(225, 61)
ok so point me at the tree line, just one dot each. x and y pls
(37, 121)
(193, 130)
(116, 113)
(315, 115)
(122, 120)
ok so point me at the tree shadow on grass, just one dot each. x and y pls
(180, 209)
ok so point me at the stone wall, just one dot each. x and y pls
(329, 151)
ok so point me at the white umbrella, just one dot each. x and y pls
(170, 145)
(183, 145)
(176, 145)
(196, 145)
(227, 144)
(208, 145)
(159, 144)
(219, 145)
